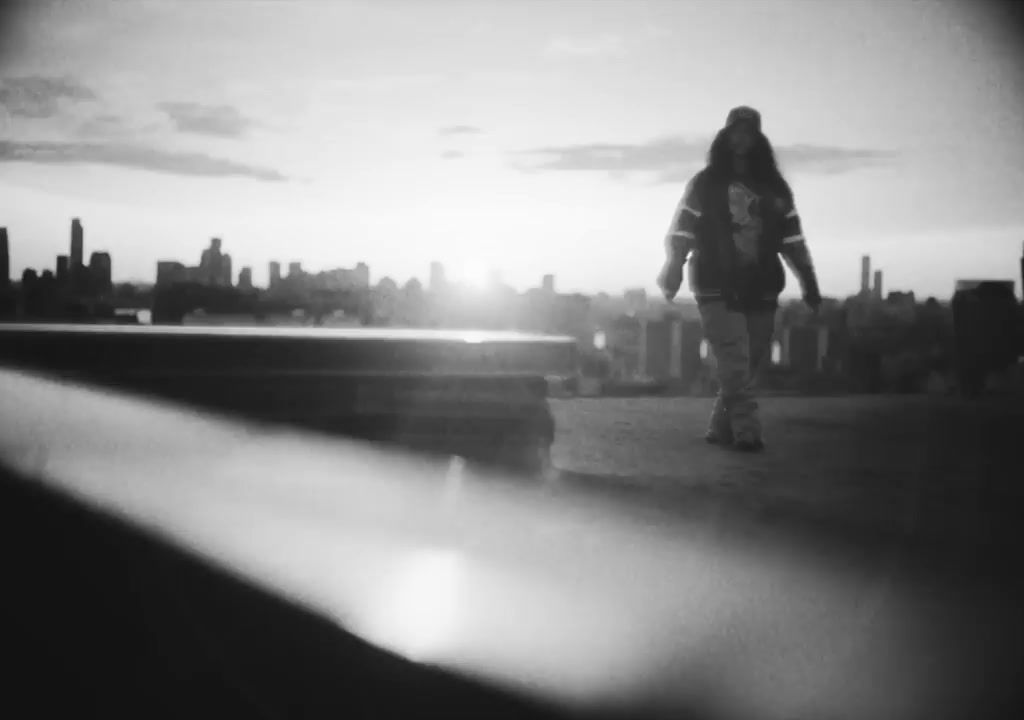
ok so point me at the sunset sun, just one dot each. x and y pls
(475, 274)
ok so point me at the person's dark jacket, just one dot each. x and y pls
(701, 234)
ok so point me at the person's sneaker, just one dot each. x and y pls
(750, 444)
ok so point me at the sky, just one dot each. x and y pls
(532, 137)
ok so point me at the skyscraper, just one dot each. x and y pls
(275, 274)
(245, 279)
(99, 272)
(437, 277)
(294, 269)
(877, 290)
(211, 264)
(548, 284)
(865, 274)
(5, 259)
(77, 244)
(225, 271)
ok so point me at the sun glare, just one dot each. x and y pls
(476, 275)
(418, 614)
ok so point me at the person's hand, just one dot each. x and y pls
(670, 279)
(813, 300)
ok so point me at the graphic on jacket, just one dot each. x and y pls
(745, 208)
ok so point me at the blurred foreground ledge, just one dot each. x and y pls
(156, 557)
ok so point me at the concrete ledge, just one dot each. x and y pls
(479, 395)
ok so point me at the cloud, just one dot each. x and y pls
(106, 125)
(675, 159)
(134, 157)
(38, 96)
(460, 130)
(453, 154)
(214, 120)
(607, 45)
(385, 82)
(832, 160)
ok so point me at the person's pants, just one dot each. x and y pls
(740, 343)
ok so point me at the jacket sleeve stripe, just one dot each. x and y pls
(681, 237)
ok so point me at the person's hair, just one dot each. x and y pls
(761, 164)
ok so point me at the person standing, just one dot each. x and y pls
(736, 217)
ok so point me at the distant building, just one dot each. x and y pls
(877, 290)
(100, 272)
(214, 269)
(636, 301)
(659, 338)
(897, 297)
(688, 360)
(901, 306)
(245, 279)
(330, 280)
(438, 282)
(225, 278)
(385, 300)
(627, 347)
(5, 259)
(411, 309)
(804, 348)
(986, 322)
(362, 276)
(63, 269)
(275, 274)
(77, 270)
(77, 244)
(865, 274)
(169, 272)
(569, 315)
(294, 269)
(671, 350)
(211, 265)
(339, 279)
(975, 284)
(548, 284)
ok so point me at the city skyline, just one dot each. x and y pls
(870, 277)
(70, 271)
(405, 134)
(215, 268)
